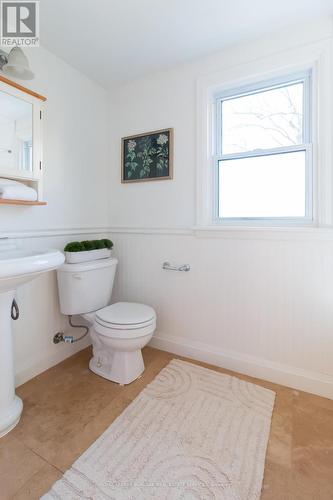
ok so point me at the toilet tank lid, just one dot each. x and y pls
(88, 266)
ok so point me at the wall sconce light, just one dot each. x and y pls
(3, 58)
(16, 64)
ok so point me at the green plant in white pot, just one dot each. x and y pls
(83, 251)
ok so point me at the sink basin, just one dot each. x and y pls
(16, 267)
(20, 266)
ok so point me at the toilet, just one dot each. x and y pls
(118, 331)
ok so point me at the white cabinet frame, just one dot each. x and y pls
(33, 177)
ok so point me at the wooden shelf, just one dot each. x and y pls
(21, 202)
(20, 87)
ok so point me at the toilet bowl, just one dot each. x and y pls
(118, 331)
(118, 334)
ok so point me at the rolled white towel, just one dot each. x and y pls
(13, 190)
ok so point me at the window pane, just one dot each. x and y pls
(264, 186)
(263, 120)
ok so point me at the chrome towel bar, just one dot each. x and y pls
(168, 267)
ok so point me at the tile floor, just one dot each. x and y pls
(67, 407)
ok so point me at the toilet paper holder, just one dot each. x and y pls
(169, 267)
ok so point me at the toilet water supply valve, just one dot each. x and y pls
(70, 339)
(58, 337)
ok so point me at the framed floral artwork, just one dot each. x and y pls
(147, 157)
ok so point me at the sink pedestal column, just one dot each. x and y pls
(10, 405)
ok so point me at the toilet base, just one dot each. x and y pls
(120, 367)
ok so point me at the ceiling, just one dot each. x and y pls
(117, 40)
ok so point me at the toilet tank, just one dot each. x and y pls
(86, 286)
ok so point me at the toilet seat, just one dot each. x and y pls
(126, 313)
(125, 320)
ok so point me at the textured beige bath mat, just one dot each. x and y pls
(191, 434)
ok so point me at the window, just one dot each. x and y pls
(263, 160)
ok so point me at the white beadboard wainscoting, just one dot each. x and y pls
(40, 316)
(258, 306)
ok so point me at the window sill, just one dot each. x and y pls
(311, 233)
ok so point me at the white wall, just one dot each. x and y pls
(40, 317)
(168, 99)
(259, 302)
(76, 190)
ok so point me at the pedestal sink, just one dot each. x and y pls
(16, 267)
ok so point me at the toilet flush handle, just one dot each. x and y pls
(77, 276)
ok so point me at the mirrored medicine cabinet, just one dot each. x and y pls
(21, 116)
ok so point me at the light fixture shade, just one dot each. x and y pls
(18, 65)
(3, 58)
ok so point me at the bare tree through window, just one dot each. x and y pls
(264, 120)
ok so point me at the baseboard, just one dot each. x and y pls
(304, 380)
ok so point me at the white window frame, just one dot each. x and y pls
(303, 77)
(316, 57)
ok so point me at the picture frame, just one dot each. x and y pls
(147, 156)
